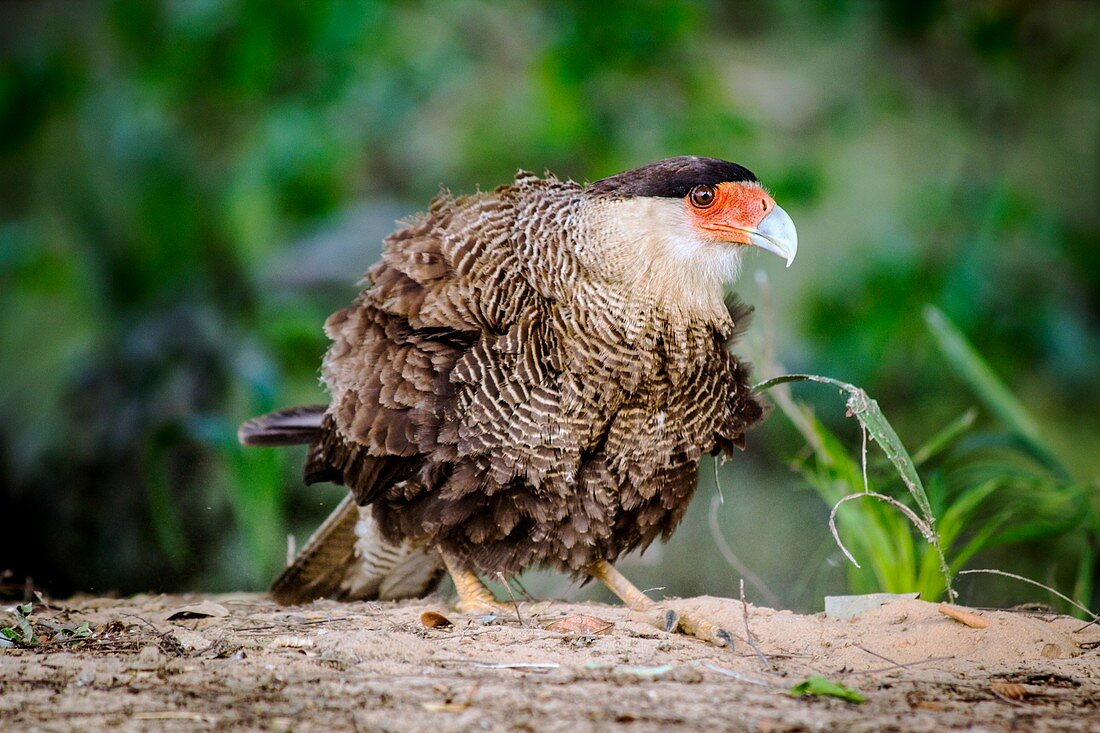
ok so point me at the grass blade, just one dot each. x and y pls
(941, 440)
(989, 388)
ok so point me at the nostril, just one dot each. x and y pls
(763, 204)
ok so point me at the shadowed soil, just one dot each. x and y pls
(376, 667)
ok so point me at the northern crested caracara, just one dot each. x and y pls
(529, 378)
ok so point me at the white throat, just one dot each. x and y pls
(649, 247)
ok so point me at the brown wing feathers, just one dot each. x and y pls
(320, 566)
(490, 398)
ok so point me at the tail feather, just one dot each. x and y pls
(292, 426)
(347, 559)
(318, 569)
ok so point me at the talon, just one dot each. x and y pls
(724, 637)
(671, 621)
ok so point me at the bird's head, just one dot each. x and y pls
(679, 226)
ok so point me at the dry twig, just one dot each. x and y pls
(748, 634)
(1095, 618)
(515, 603)
(876, 654)
(921, 526)
(907, 665)
(731, 673)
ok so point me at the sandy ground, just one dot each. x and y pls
(377, 667)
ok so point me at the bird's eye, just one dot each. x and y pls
(702, 196)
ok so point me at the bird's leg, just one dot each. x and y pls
(473, 596)
(627, 592)
(665, 619)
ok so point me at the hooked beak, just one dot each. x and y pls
(776, 233)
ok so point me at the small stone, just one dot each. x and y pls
(191, 641)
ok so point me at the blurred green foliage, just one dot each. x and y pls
(187, 189)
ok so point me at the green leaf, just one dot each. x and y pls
(988, 386)
(818, 685)
(870, 416)
(24, 634)
(80, 632)
(22, 615)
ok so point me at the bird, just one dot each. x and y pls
(529, 377)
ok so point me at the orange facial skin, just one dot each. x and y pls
(735, 209)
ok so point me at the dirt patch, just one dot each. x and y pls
(376, 667)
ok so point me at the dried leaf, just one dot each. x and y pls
(963, 616)
(205, 609)
(581, 625)
(434, 620)
(817, 685)
(1010, 690)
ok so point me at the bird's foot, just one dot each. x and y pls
(474, 597)
(674, 622)
(664, 618)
